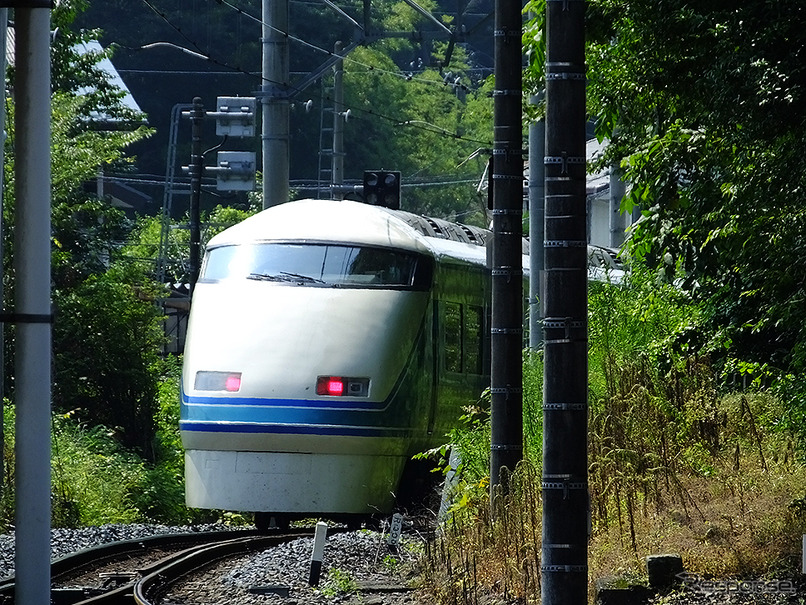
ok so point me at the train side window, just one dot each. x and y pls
(473, 339)
(452, 330)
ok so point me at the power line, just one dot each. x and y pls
(423, 125)
(178, 72)
(329, 53)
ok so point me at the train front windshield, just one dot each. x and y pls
(318, 264)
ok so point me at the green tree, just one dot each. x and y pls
(407, 103)
(422, 125)
(106, 332)
(107, 340)
(703, 107)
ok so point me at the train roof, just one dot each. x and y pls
(358, 223)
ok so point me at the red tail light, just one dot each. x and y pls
(338, 386)
(218, 381)
(330, 385)
(233, 383)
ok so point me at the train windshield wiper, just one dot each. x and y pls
(285, 276)
(303, 278)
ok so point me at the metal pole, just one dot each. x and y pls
(507, 268)
(565, 385)
(274, 98)
(33, 312)
(537, 149)
(338, 126)
(196, 170)
(3, 35)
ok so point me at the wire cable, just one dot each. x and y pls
(329, 53)
(413, 123)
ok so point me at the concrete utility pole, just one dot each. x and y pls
(32, 313)
(617, 190)
(3, 35)
(275, 100)
(565, 384)
(507, 265)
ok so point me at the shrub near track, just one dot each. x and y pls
(676, 464)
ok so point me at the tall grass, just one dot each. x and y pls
(676, 464)
(95, 480)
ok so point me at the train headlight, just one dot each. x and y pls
(338, 386)
(218, 381)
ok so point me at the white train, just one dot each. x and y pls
(328, 342)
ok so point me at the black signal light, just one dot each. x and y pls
(382, 188)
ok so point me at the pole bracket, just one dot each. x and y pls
(564, 243)
(574, 407)
(26, 318)
(564, 568)
(507, 92)
(566, 75)
(564, 161)
(566, 324)
(507, 272)
(506, 447)
(506, 331)
(507, 34)
(26, 4)
(565, 483)
(560, 323)
(505, 152)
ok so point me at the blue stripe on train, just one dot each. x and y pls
(350, 431)
(286, 403)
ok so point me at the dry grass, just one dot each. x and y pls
(744, 522)
(673, 469)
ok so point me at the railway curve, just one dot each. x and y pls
(124, 571)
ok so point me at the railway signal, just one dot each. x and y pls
(382, 188)
(235, 117)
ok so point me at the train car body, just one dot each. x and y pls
(329, 342)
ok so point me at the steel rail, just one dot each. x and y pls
(82, 560)
(152, 586)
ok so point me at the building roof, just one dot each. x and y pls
(105, 65)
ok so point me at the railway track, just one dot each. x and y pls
(140, 571)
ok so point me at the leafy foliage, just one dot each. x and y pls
(108, 336)
(94, 479)
(675, 463)
(409, 96)
(703, 106)
(428, 126)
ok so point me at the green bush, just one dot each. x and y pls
(94, 478)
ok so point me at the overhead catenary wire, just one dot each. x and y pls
(280, 80)
(329, 53)
(324, 51)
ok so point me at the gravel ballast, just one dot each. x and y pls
(357, 567)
